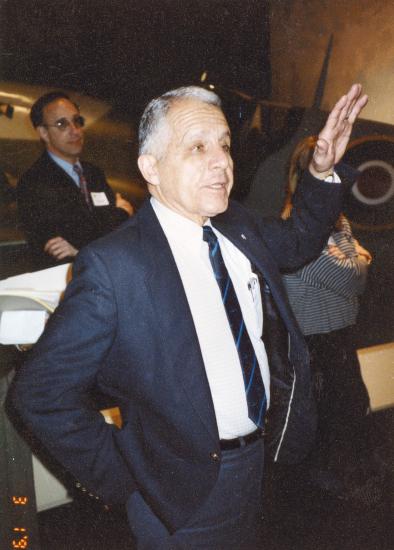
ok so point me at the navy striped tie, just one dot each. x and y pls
(254, 387)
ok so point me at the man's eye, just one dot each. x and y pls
(62, 123)
(226, 147)
(198, 147)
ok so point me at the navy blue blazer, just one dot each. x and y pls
(125, 327)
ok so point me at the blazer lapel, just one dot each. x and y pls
(62, 179)
(248, 242)
(174, 320)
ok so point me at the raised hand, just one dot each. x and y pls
(334, 137)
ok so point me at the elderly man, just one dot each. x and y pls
(167, 316)
(63, 203)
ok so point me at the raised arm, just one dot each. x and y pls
(316, 204)
(334, 137)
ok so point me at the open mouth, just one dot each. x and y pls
(217, 185)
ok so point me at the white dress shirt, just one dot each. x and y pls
(222, 364)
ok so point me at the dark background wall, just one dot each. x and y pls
(363, 51)
(127, 51)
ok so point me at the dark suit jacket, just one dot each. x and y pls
(125, 327)
(50, 205)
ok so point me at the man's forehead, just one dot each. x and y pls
(190, 115)
(60, 106)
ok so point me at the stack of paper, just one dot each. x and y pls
(26, 302)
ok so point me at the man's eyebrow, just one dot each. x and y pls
(196, 134)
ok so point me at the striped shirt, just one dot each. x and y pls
(324, 293)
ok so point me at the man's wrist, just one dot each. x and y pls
(330, 177)
(321, 175)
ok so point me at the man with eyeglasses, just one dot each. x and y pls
(63, 203)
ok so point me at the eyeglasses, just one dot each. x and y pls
(63, 124)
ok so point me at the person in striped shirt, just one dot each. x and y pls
(324, 296)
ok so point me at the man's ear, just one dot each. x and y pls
(42, 134)
(148, 168)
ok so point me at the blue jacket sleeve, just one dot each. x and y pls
(299, 239)
(50, 390)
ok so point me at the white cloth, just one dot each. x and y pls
(214, 334)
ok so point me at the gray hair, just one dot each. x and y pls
(153, 118)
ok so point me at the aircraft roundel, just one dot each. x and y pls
(370, 203)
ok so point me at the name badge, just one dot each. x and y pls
(99, 199)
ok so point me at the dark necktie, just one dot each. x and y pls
(254, 387)
(83, 184)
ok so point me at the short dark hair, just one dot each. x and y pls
(36, 112)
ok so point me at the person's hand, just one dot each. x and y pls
(333, 250)
(363, 253)
(123, 203)
(59, 248)
(334, 137)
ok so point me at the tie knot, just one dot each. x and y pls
(209, 236)
(77, 169)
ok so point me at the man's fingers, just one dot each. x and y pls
(350, 111)
(55, 250)
(354, 104)
(339, 108)
(338, 127)
(59, 248)
(357, 108)
(52, 242)
(323, 149)
(347, 107)
(61, 255)
(322, 146)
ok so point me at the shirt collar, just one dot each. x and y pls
(176, 227)
(66, 166)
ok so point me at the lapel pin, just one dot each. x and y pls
(243, 236)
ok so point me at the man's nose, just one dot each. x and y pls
(220, 158)
(75, 127)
